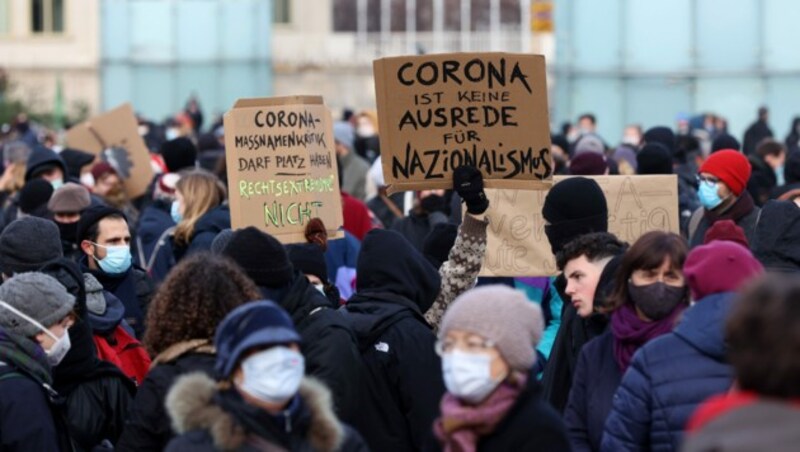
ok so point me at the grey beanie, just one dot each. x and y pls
(221, 241)
(29, 243)
(39, 296)
(502, 315)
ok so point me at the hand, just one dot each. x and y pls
(468, 183)
(8, 176)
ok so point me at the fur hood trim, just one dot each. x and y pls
(191, 407)
(179, 349)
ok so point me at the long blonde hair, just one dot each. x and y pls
(201, 191)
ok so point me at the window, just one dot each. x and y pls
(281, 13)
(47, 16)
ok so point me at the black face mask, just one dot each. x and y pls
(432, 203)
(657, 300)
(68, 231)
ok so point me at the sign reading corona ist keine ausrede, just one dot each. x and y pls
(438, 112)
(282, 166)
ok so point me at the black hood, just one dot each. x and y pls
(42, 156)
(389, 264)
(777, 242)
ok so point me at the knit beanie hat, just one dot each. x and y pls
(726, 230)
(501, 315)
(309, 259)
(34, 195)
(654, 158)
(662, 135)
(574, 207)
(725, 141)
(37, 295)
(589, 143)
(588, 164)
(27, 244)
(261, 256)
(179, 154)
(719, 267)
(221, 241)
(75, 160)
(70, 198)
(729, 166)
(438, 243)
(92, 216)
(101, 169)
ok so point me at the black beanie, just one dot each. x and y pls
(574, 207)
(261, 256)
(663, 135)
(654, 158)
(439, 242)
(179, 154)
(75, 160)
(92, 216)
(29, 243)
(33, 197)
(309, 259)
(725, 141)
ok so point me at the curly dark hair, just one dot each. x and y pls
(763, 335)
(595, 246)
(194, 298)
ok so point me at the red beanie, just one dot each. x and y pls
(726, 230)
(719, 267)
(731, 167)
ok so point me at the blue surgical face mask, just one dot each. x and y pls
(780, 176)
(709, 195)
(117, 260)
(57, 183)
(175, 213)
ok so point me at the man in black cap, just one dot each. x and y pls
(105, 239)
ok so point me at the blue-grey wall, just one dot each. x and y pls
(648, 60)
(156, 53)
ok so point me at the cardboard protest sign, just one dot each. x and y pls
(438, 112)
(518, 246)
(114, 137)
(282, 166)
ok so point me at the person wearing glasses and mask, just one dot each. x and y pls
(35, 314)
(722, 183)
(487, 342)
(261, 400)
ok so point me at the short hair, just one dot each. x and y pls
(768, 146)
(588, 116)
(595, 246)
(93, 231)
(763, 336)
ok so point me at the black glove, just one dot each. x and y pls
(468, 183)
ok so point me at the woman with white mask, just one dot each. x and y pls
(487, 341)
(35, 314)
(261, 401)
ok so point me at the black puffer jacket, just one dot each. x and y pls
(777, 236)
(395, 286)
(329, 345)
(148, 427)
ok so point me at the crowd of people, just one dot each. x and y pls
(148, 324)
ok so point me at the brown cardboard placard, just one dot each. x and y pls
(114, 137)
(282, 168)
(437, 112)
(516, 242)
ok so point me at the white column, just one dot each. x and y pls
(466, 24)
(411, 27)
(525, 34)
(386, 25)
(361, 22)
(438, 25)
(494, 25)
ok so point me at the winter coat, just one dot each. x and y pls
(380, 206)
(153, 241)
(396, 285)
(754, 134)
(31, 419)
(205, 230)
(573, 333)
(668, 378)
(743, 422)
(762, 180)
(208, 420)
(597, 377)
(415, 227)
(531, 425)
(777, 237)
(358, 220)
(460, 271)
(354, 171)
(745, 218)
(148, 427)
(133, 287)
(688, 203)
(340, 258)
(542, 290)
(329, 345)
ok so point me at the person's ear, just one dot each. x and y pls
(87, 247)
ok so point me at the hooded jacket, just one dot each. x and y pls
(762, 180)
(154, 242)
(208, 420)
(668, 379)
(41, 156)
(777, 236)
(396, 285)
(206, 228)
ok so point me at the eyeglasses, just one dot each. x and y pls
(470, 346)
(710, 180)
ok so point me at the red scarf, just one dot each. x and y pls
(461, 425)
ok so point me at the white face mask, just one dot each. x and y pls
(273, 375)
(320, 287)
(62, 344)
(468, 376)
(87, 179)
(172, 133)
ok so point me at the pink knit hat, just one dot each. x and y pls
(718, 267)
